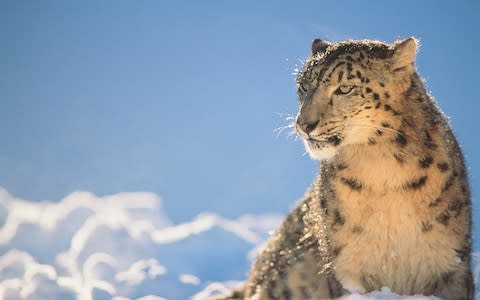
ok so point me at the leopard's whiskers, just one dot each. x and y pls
(290, 125)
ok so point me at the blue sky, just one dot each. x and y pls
(182, 98)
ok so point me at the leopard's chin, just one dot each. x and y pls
(320, 150)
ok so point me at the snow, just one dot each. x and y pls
(124, 246)
(386, 294)
(189, 279)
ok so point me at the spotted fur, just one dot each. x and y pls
(391, 205)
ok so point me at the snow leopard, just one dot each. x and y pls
(391, 204)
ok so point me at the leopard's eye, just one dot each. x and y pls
(344, 89)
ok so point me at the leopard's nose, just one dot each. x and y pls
(307, 126)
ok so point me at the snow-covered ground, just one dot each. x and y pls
(124, 246)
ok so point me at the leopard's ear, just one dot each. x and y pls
(319, 46)
(404, 54)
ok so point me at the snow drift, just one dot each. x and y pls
(124, 246)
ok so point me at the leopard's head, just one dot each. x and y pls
(350, 92)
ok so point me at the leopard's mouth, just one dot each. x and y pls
(333, 140)
(324, 147)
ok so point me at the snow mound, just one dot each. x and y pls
(123, 247)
